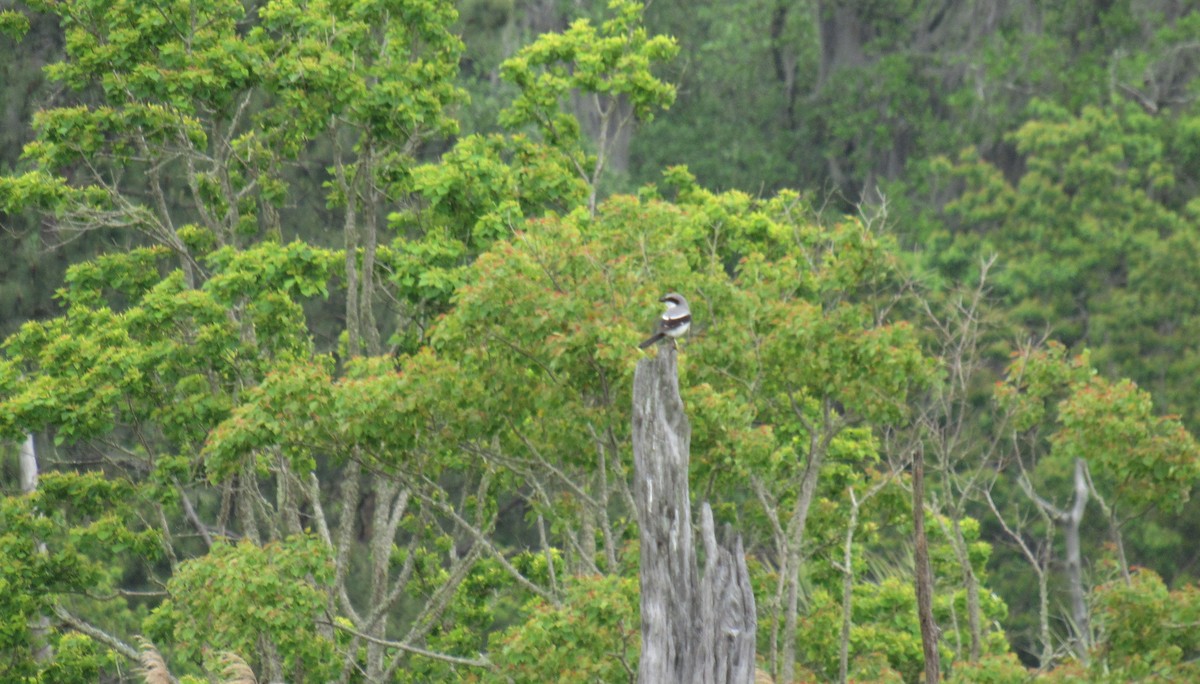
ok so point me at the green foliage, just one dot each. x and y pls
(379, 409)
(67, 538)
(172, 356)
(607, 72)
(486, 184)
(612, 61)
(200, 363)
(1137, 458)
(554, 308)
(1089, 236)
(1003, 668)
(1147, 627)
(1143, 458)
(377, 74)
(1145, 632)
(736, 121)
(295, 270)
(13, 24)
(385, 65)
(884, 629)
(77, 660)
(594, 635)
(240, 595)
(553, 305)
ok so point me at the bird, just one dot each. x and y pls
(675, 320)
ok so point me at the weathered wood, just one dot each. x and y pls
(29, 466)
(725, 614)
(661, 443)
(692, 631)
(40, 625)
(1071, 522)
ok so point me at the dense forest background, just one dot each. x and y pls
(320, 321)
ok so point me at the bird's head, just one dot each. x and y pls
(673, 299)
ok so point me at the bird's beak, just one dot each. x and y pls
(662, 299)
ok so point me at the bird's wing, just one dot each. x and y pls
(675, 317)
(676, 312)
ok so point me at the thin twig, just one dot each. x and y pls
(482, 661)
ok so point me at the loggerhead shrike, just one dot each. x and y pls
(675, 320)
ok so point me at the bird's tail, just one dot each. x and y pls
(651, 340)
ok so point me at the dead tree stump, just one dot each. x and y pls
(692, 631)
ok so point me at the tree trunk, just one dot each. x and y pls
(1071, 522)
(817, 449)
(29, 466)
(611, 131)
(40, 629)
(661, 439)
(692, 631)
(924, 575)
(842, 36)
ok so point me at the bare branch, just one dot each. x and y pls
(486, 543)
(98, 634)
(482, 661)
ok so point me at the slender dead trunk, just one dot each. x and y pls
(1071, 523)
(1070, 520)
(380, 557)
(29, 466)
(1047, 655)
(1038, 561)
(924, 575)
(40, 629)
(818, 446)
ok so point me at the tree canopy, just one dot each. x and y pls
(321, 321)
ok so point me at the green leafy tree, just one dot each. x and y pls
(1088, 237)
(608, 68)
(553, 308)
(1074, 431)
(592, 636)
(245, 598)
(62, 543)
(190, 365)
(433, 482)
(1143, 629)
